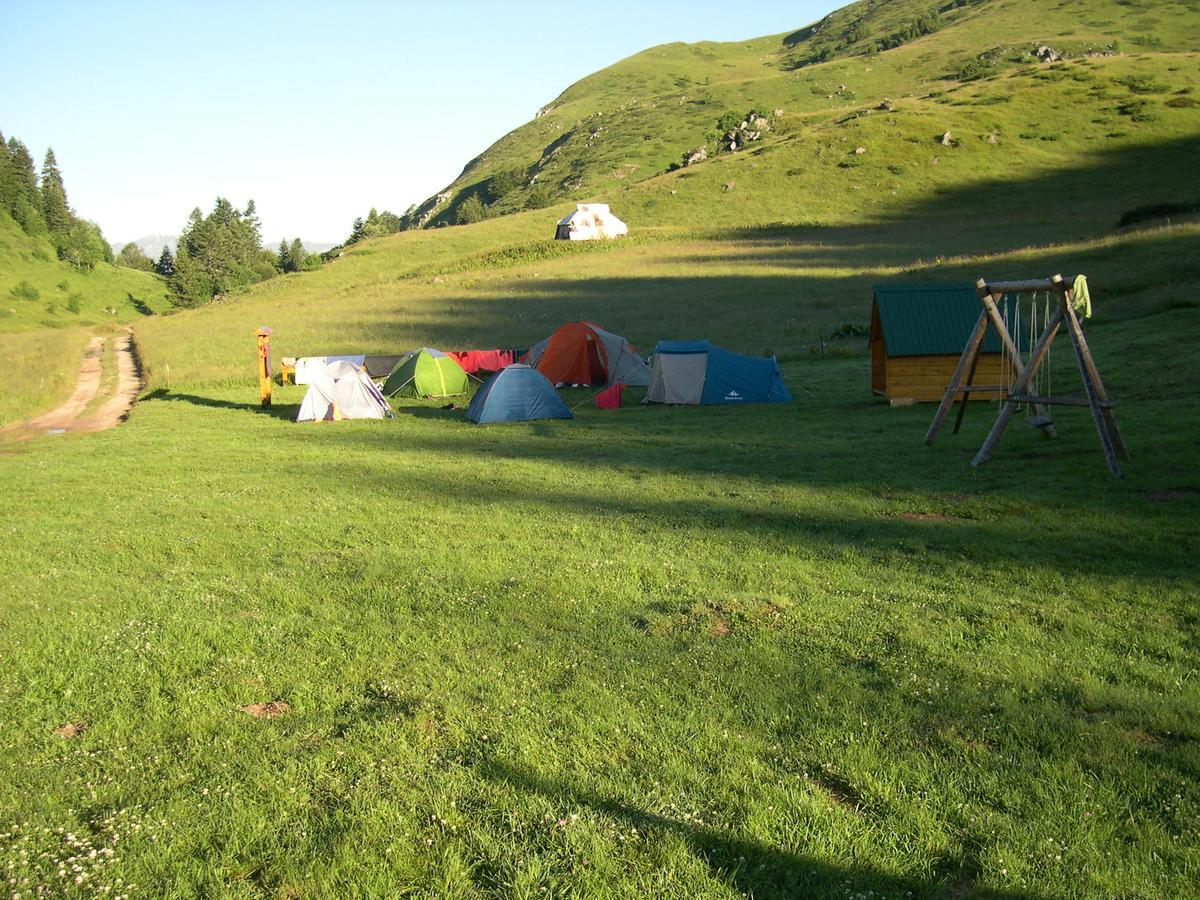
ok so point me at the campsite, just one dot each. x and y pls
(435, 622)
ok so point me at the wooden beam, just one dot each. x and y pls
(965, 362)
(1022, 287)
(1059, 401)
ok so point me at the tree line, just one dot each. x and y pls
(38, 204)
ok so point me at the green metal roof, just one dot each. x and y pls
(931, 319)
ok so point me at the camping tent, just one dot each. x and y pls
(590, 222)
(584, 353)
(516, 394)
(426, 373)
(692, 372)
(918, 332)
(341, 391)
(306, 365)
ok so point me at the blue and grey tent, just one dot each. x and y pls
(516, 393)
(696, 372)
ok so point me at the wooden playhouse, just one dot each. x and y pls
(918, 332)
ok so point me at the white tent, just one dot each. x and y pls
(590, 222)
(341, 391)
(307, 365)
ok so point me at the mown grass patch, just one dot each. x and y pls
(776, 650)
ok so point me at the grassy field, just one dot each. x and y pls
(771, 652)
(774, 651)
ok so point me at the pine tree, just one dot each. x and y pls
(219, 253)
(8, 183)
(296, 253)
(26, 203)
(253, 225)
(356, 232)
(285, 259)
(55, 211)
(166, 263)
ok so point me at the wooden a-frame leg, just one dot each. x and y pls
(1084, 356)
(1020, 387)
(965, 362)
(962, 404)
(1092, 391)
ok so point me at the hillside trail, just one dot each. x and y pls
(66, 418)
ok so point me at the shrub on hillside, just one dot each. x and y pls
(470, 211)
(504, 183)
(538, 197)
(25, 291)
(132, 257)
(1143, 84)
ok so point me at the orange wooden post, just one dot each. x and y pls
(264, 365)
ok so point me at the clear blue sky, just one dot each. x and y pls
(317, 111)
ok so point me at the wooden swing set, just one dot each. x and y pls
(1031, 384)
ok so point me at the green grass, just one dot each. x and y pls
(770, 651)
(781, 650)
(612, 135)
(40, 369)
(38, 291)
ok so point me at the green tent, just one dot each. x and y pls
(426, 373)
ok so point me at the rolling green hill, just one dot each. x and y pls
(47, 311)
(37, 290)
(1127, 80)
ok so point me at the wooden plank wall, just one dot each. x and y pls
(924, 378)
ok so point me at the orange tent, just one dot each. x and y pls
(584, 353)
(575, 355)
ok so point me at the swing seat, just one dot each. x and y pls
(1041, 421)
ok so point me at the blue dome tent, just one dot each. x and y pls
(516, 393)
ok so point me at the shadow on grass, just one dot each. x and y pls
(753, 868)
(286, 412)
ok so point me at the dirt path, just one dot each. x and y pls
(66, 417)
(118, 405)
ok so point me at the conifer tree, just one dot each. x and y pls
(219, 253)
(296, 253)
(55, 211)
(166, 263)
(26, 204)
(285, 257)
(253, 225)
(357, 232)
(8, 184)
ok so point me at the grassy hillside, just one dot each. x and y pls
(39, 291)
(613, 134)
(47, 311)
